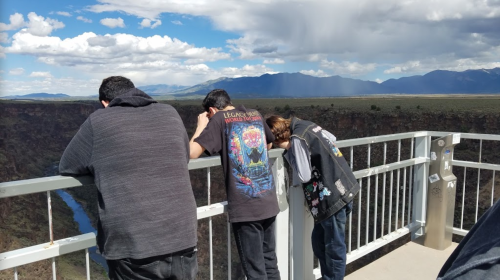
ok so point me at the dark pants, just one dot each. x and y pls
(182, 265)
(328, 242)
(256, 245)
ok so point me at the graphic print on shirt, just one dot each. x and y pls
(248, 153)
(315, 191)
(331, 142)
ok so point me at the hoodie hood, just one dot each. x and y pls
(132, 98)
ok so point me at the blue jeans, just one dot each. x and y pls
(256, 243)
(328, 243)
(182, 265)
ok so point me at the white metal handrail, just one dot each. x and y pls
(405, 194)
(52, 249)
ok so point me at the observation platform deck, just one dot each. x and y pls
(412, 261)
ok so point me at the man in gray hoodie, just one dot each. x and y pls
(137, 150)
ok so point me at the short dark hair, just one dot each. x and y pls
(113, 86)
(217, 98)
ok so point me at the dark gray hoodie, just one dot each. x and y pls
(138, 152)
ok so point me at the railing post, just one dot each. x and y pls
(422, 148)
(301, 224)
(282, 220)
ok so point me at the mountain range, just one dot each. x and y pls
(161, 89)
(40, 95)
(297, 85)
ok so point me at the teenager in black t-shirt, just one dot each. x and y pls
(242, 139)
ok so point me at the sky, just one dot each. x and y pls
(69, 46)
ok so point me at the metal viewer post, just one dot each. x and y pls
(441, 193)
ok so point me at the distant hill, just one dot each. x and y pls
(297, 85)
(41, 95)
(286, 85)
(300, 85)
(440, 81)
(160, 89)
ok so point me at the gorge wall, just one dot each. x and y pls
(33, 135)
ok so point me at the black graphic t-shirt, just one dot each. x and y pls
(241, 136)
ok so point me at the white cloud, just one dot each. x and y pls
(153, 73)
(176, 22)
(378, 81)
(84, 19)
(16, 22)
(113, 22)
(408, 67)
(145, 23)
(144, 58)
(449, 62)
(4, 37)
(39, 26)
(67, 85)
(66, 14)
(274, 61)
(41, 75)
(319, 73)
(245, 71)
(156, 24)
(368, 32)
(348, 68)
(16, 71)
(89, 48)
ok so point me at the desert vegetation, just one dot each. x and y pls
(33, 136)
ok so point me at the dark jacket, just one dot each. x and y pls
(478, 254)
(332, 183)
(137, 151)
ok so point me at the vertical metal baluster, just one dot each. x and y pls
(228, 249)
(51, 232)
(389, 226)
(410, 182)
(493, 189)
(478, 178)
(384, 178)
(87, 263)
(404, 199)
(210, 229)
(375, 214)
(397, 186)
(54, 269)
(359, 211)
(368, 199)
(15, 273)
(463, 200)
(352, 158)
(49, 205)
(349, 249)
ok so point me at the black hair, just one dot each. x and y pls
(113, 86)
(217, 98)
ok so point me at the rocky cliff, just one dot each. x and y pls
(33, 135)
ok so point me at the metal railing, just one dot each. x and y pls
(390, 204)
(369, 226)
(482, 175)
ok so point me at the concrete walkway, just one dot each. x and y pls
(411, 261)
